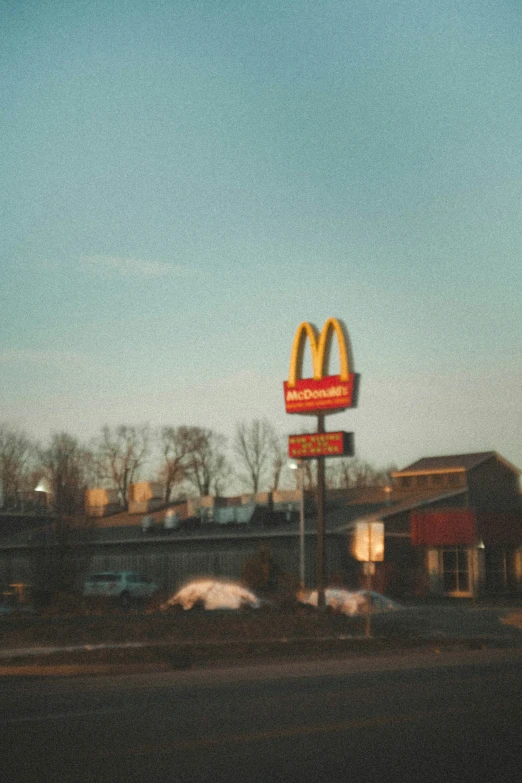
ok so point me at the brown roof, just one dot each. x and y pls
(125, 518)
(464, 461)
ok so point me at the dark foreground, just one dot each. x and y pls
(137, 641)
(423, 717)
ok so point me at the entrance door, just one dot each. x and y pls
(456, 571)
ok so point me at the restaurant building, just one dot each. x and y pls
(453, 528)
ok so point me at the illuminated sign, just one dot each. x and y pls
(323, 393)
(368, 541)
(320, 444)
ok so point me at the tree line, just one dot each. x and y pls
(184, 459)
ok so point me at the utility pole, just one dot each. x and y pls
(320, 520)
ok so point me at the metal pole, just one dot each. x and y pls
(368, 630)
(301, 526)
(368, 566)
(320, 520)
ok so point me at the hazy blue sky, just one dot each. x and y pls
(185, 181)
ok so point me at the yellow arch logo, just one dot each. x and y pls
(320, 347)
(323, 393)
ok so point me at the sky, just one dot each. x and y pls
(185, 181)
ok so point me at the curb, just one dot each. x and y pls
(122, 659)
(85, 670)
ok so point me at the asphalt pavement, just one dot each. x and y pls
(453, 716)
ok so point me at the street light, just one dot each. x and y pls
(43, 486)
(298, 465)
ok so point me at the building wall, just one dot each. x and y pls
(400, 522)
(172, 562)
(143, 491)
(493, 486)
(426, 481)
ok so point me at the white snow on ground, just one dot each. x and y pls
(213, 594)
(223, 594)
(351, 602)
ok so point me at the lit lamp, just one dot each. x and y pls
(298, 465)
(43, 486)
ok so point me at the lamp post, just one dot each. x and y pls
(300, 483)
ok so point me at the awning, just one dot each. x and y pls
(443, 527)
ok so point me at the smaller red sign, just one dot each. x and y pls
(327, 395)
(320, 444)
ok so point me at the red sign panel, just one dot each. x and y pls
(326, 395)
(443, 527)
(320, 444)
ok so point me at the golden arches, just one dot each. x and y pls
(320, 348)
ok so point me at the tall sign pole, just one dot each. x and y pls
(320, 520)
(321, 395)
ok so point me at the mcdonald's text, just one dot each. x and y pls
(326, 395)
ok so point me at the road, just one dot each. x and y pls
(423, 717)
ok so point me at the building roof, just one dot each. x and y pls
(264, 524)
(128, 519)
(450, 462)
(408, 504)
(18, 523)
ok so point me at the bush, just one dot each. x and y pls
(59, 603)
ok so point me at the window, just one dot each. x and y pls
(406, 482)
(105, 578)
(455, 570)
(422, 481)
(437, 479)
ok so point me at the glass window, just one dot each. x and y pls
(456, 575)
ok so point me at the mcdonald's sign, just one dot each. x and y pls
(323, 393)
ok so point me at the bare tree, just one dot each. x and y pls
(16, 451)
(254, 445)
(121, 453)
(279, 451)
(309, 474)
(175, 445)
(222, 472)
(357, 474)
(65, 464)
(206, 465)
